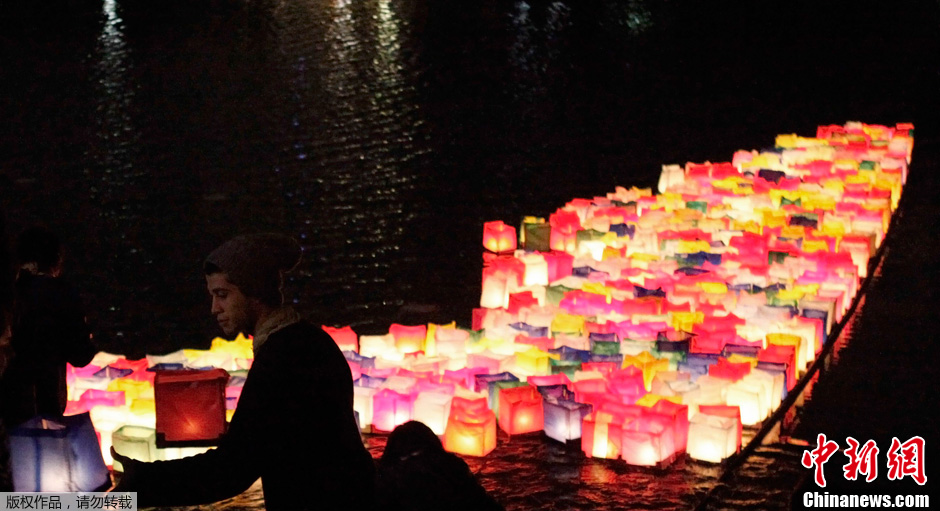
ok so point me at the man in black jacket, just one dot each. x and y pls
(294, 426)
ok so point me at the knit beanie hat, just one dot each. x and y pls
(256, 263)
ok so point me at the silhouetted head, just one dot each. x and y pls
(411, 439)
(245, 275)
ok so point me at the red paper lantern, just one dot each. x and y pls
(345, 337)
(190, 405)
(520, 410)
(499, 237)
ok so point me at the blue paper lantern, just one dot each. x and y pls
(57, 455)
(563, 419)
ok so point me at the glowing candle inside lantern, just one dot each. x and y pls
(470, 432)
(391, 409)
(495, 291)
(712, 438)
(563, 419)
(57, 456)
(190, 405)
(520, 410)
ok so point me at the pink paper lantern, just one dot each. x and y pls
(679, 414)
(391, 409)
(647, 440)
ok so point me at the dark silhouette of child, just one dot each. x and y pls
(415, 473)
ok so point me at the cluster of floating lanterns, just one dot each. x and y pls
(646, 327)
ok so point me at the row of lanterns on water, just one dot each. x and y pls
(644, 326)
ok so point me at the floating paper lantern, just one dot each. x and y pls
(495, 291)
(134, 388)
(391, 409)
(556, 393)
(753, 394)
(628, 383)
(727, 411)
(190, 405)
(601, 434)
(532, 361)
(92, 398)
(564, 229)
(679, 413)
(520, 410)
(536, 270)
(362, 404)
(647, 440)
(376, 345)
(451, 341)
(534, 234)
(563, 419)
(663, 382)
(203, 359)
(433, 409)
(495, 388)
(238, 348)
(712, 438)
(408, 338)
(649, 364)
(470, 432)
(729, 370)
(499, 237)
(345, 337)
(555, 379)
(57, 455)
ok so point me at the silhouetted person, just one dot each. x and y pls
(6, 349)
(294, 426)
(48, 331)
(415, 473)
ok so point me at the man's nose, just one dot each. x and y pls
(216, 307)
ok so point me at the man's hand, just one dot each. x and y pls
(128, 480)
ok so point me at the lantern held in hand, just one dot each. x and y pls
(190, 405)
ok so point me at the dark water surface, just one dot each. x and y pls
(383, 133)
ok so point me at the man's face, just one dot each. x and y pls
(231, 308)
